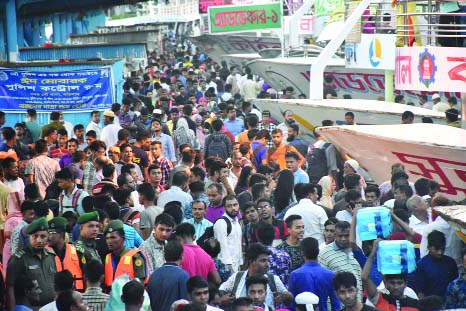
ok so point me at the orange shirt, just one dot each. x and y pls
(278, 155)
(243, 137)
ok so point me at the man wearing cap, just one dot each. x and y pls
(35, 261)
(168, 148)
(66, 257)
(438, 104)
(86, 245)
(121, 260)
(109, 133)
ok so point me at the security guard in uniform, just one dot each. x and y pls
(36, 261)
(86, 245)
(66, 256)
(121, 260)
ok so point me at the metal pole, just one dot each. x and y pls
(282, 36)
(317, 69)
(11, 31)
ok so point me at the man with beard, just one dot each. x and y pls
(289, 120)
(277, 153)
(295, 141)
(121, 260)
(230, 244)
(35, 261)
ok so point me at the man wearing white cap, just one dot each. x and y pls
(438, 105)
(306, 301)
(109, 133)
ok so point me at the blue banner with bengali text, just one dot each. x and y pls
(78, 90)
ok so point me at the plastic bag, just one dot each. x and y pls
(115, 303)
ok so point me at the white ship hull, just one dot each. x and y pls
(432, 151)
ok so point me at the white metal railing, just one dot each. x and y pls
(431, 23)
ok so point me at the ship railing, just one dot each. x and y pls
(419, 22)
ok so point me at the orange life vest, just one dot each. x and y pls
(71, 263)
(125, 266)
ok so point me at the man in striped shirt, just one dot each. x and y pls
(93, 295)
(338, 256)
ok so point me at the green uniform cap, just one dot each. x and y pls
(114, 225)
(58, 223)
(92, 216)
(39, 224)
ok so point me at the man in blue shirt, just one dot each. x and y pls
(168, 283)
(292, 163)
(435, 271)
(232, 123)
(9, 139)
(312, 277)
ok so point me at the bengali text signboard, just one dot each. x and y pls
(62, 90)
(244, 18)
(374, 51)
(430, 69)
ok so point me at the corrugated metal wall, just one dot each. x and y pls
(151, 37)
(80, 52)
(73, 117)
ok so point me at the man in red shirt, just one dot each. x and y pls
(195, 260)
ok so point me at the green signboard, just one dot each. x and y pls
(244, 18)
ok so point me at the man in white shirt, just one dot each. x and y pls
(95, 124)
(438, 104)
(177, 192)
(233, 79)
(109, 134)
(228, 232)
(249, 88)
(258, 264)
(288, 120)
(12, 181)
(314, 216)
(353, 199)
(420, 217)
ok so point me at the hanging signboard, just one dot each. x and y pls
(439, 69)
(373, 52)
(60, 90)
(235, 18)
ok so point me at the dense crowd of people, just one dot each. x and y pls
(203, 202)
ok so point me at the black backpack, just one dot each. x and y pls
(209, 232)
(217, 147)
(317, 163)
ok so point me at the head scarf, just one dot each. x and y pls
(326, 184)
